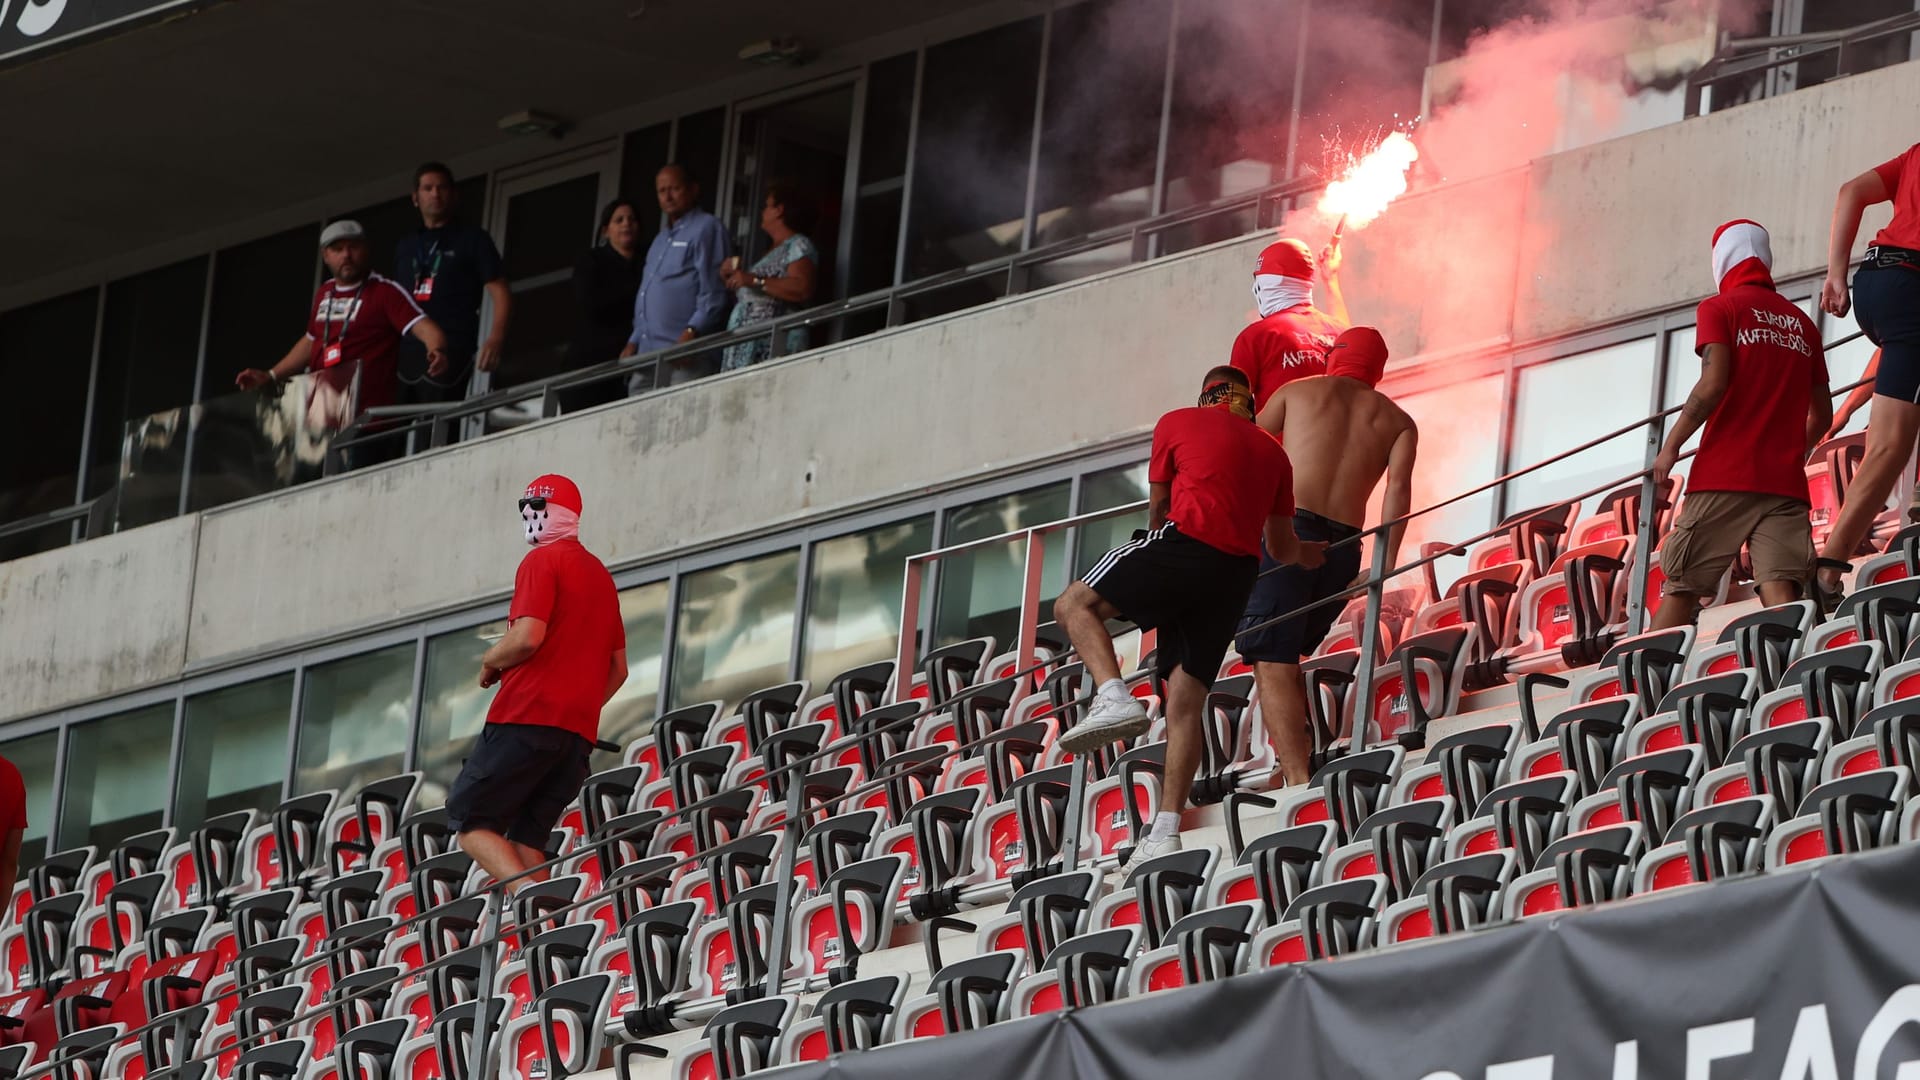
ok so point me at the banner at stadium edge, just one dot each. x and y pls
(33, 27)
(1809, 974)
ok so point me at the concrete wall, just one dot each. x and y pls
(1576, 239)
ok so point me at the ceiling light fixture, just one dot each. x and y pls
(533, 122)
(775, 52)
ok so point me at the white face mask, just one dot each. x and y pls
(549, 524)
(1272, 293)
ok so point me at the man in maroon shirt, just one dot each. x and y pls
(1763, 399)
(1291, 338)
(563, 657)
(1217, 486)
(357, 321)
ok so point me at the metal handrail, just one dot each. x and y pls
(1745, 56)
(797, 817)
(90, 511)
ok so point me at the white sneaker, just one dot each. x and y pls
(1110, 719)
(1148, 849)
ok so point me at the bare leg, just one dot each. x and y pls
(1083, 615)
(530, 858)
(1186, 697)
(1676, 609)
(497, 855)
(1283, 709)
(1890, 439)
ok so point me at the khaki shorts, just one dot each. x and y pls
(1712, 527)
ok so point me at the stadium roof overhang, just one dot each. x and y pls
(213, 116)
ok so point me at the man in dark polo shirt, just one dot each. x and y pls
(564, 655)
(449, 267)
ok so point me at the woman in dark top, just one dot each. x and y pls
(604, 283)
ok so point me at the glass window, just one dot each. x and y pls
(116, 784)
(883, 173)
(1232, 100)
(1104, 490)
(853, 597)
(235, 752)
(46, 350)
(1456, 453)
(1097, 150)
(149, 348)
(1565, 402)
(976, 134)
(452, 706)
(262, 291)
(388, 222)
(697, 149)
(979, 591)
(34, 757)
(630, 714)
(641, 156)
(734, 630)
(354, 715)
(1683, 370)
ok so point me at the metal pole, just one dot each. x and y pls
(1299, 87)
(1369, 641)
(1076, 808)
(909, 628)
(1643, 548)
(483, 992)
(1036, 558)
(783, 893)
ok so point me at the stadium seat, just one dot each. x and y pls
(1423, 679)
(1707, 843)
(1158, 893)
(1837, 682)
(445, 1053)
(1274, 869)
(1086, 970)
(849, 1017)
(1565, 616)
(852, 915)
(1710, 712)
(964, 996)
(1522, 815)
(1652, 789)
(1205, 946)
(1331, 920)
(563, 1034)
(1645, 666)
(1578, 870)
(1766, 642)
(1854, 813)
(1452, 896)
(741, 1039)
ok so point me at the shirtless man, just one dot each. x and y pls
(1342, 436)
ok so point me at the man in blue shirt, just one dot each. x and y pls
(680, 294)
(449, 267)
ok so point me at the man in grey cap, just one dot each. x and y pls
(355, 325)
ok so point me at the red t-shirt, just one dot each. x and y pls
(563, 683)
(1284, 346)
(363, 322)
(1228, 476)
(13, 798)
(1902, 177)
(1755, 439)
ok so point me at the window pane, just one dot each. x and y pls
(630, 714)
(980, 589)
(353, 720)
(1562, 403)
(261, 290)
(235, 757)
(116, 777)
(970, 171)
(1104, 490)
(734, 630)
(452, 706)
(547, 227)
(149, 347)
(1097, 150)
(1456, 453)
(1232, 97)
(641, 156)
(853, 597)
(46, 350)
(34, 757)
(697, 150)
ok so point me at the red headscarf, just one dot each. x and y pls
(1359, 353)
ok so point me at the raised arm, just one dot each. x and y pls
(1855, 196)
(1330, 262)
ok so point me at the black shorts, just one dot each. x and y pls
(1887, 307)
(1281, 589)
(518, 780)
(1189, 591)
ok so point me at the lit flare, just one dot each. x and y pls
(1371, 183)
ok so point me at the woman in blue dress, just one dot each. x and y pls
(782, 281)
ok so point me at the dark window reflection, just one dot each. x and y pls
(46, 350)
(149, 348)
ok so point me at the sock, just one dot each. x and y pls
(1113, 688)
(1165, 824)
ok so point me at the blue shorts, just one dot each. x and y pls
(1281, 589)
(1887, 306)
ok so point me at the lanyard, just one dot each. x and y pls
(326, 324)
(432, 253)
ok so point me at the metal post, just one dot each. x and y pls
(783, 892)
(909, 628)
(1369, 641)
(1643, 549)
(1299, 88)
(483, 992)
(1036, 557)
(1076, 809)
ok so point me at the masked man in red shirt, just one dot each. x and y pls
(563, 657)
(1218, 485)
(1291, 338)
(1763, 399)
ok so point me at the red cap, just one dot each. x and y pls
(557, 490)
(1359, 353)
(1287, 258)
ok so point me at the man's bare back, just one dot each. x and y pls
(1341, 436)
